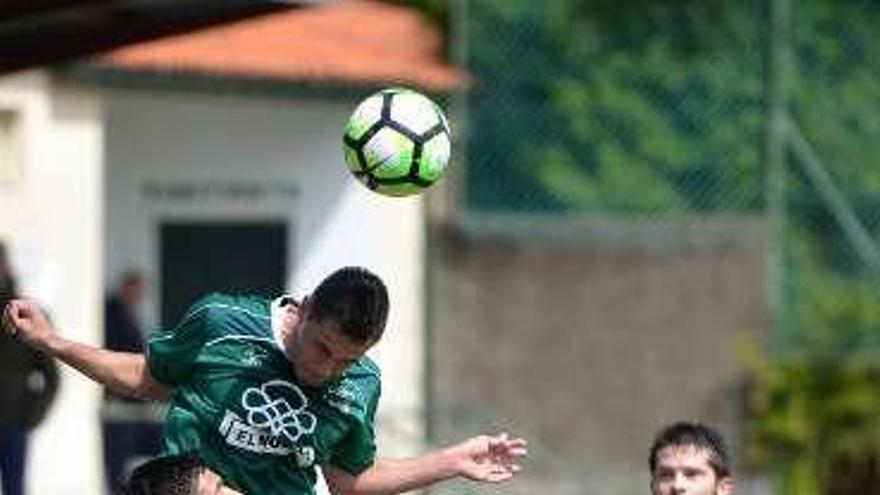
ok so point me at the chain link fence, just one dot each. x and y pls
(601, 108)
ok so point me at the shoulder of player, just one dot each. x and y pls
(364, 369)
(218, 308)
(357, 392)
(362, 380)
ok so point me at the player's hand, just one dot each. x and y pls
(490, 459)
(24, 320)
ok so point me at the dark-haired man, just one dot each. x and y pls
(690, 459)
(267, 391)
(182, 474)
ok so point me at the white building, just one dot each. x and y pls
(232, 135)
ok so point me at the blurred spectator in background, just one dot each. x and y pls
(690, 459)
(122, 325)
(130, 430)
(28, 383)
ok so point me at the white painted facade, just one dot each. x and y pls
(86, 207)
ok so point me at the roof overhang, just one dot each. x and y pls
(37, 33)
(342, 47)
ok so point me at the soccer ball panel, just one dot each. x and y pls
(414, 111)
(351, 159)
(435, 156)
(442, 117)
(389, 154)
(365, 115)
(403, 189)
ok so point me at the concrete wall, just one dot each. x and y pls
(50, 199)
(588, 346)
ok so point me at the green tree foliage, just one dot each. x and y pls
(620, 107)
(651, 106)
(814, 413)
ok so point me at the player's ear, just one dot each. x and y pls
(304, 306)
(725, 486)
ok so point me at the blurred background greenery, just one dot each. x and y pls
(650, 109)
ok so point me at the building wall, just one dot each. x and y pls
(189, 156)
(50, 196)
(587, 347)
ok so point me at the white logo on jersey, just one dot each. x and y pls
(276, 410)
(254, 356)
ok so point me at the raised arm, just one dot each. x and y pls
(122, 372)
(489, 459)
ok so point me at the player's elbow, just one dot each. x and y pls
(145, 387)
(153, 390)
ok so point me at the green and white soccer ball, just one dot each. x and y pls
(396, 142)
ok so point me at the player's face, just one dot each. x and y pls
(685, 470)
(209, 483)
(320, 351)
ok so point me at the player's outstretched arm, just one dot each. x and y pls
(122, 372)
(489, 459)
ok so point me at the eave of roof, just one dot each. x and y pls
(350, 42)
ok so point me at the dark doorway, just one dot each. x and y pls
(198, 258)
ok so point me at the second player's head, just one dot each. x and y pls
(689, 459)
(338, 323)
(184, 474)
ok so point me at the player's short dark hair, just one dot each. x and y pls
(697, 435)
(167, 475)
(356, 299)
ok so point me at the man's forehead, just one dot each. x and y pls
(684, 454)
(330, 333)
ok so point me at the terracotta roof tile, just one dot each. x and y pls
(350, 41)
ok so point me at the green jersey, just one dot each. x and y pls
(237, 402)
